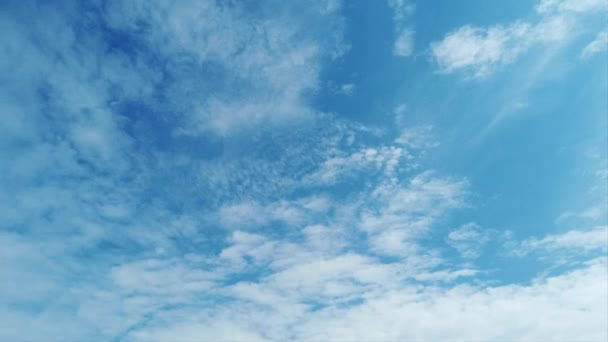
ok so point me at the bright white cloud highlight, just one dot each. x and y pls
(478, 51)
(557, 308)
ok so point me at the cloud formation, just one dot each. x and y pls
(404, 34)
(597, 45)
(479, 51)
(168, 175)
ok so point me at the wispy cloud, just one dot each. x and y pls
(571, 241)
(597, 45)
(340, 167)
(469, 239)
(404, 34)
(479, 51)
(166, 175)
(548, 6)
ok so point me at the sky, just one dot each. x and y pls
(318, 170)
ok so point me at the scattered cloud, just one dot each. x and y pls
(409, 211)
(402, 9)
(166, 175)
(342, 166)
(347, 89)
(596, 46)
(564, 307)
(469, 239)
(404, 34)
(252, 214)
(593, 213)
(446, 315)
(418, 137)
(263, 61)
(478, 51)
(404, 43)
(548, 6)
(573, 241)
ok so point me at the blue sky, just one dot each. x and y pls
(317, 170)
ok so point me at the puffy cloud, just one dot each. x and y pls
(478, 51)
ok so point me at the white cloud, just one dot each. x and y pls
(33, 277)
(243, 215)
(547, 6)
(417, 137)
(266, 64)
(595, 239)
(559, 308)
(404, 43)
(478, 51)
(404, 34)
(316, 203)
(335, 277)
(592, 213)
(325, 297)
(469, 239)
(103, 233)
(161, 277)
(254, 215)
(325, 239)
(408, 211)
(599, 44)
(309, 244)
(197, 329)
(402, 9)
(400, 113)
(244, 244)
(347, 89)
(342, 167)
(564, 307)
